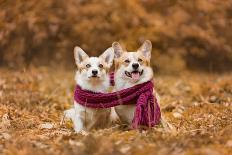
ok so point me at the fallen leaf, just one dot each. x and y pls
(177, 115)
(46, 126)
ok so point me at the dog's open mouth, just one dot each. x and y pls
(135, 75)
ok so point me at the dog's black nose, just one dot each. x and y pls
(94, 72)
(135, 65)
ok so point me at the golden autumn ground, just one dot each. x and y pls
(32, 101)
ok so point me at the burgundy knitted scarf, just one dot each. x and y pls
(147, 111)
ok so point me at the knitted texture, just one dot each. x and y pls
(147, 111)
(112, 83)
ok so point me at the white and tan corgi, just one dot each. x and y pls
(92, 74)
(132, 68)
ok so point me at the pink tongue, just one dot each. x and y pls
(135, 76)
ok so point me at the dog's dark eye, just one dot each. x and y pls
(100, 65)
(88, 66)
(127, 61)
(140, 60)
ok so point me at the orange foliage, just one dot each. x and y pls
(193, 34)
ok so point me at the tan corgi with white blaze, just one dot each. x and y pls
(132, 68)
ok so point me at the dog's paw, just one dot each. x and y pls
(69, 114)
(67, 119)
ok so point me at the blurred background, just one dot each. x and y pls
(186, 35)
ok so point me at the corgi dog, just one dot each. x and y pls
(132, 68)
(93, 75)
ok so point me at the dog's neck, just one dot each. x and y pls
(93, 85)
(122, 83)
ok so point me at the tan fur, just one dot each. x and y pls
(121, 60)
(126, 112)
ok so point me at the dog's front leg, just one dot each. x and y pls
(114, 116)
(74, 115)
(78, 124)
(78, 121)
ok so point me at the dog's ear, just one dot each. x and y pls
(108, 56)
(79, 55)
(117, 49)
(146, 49)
